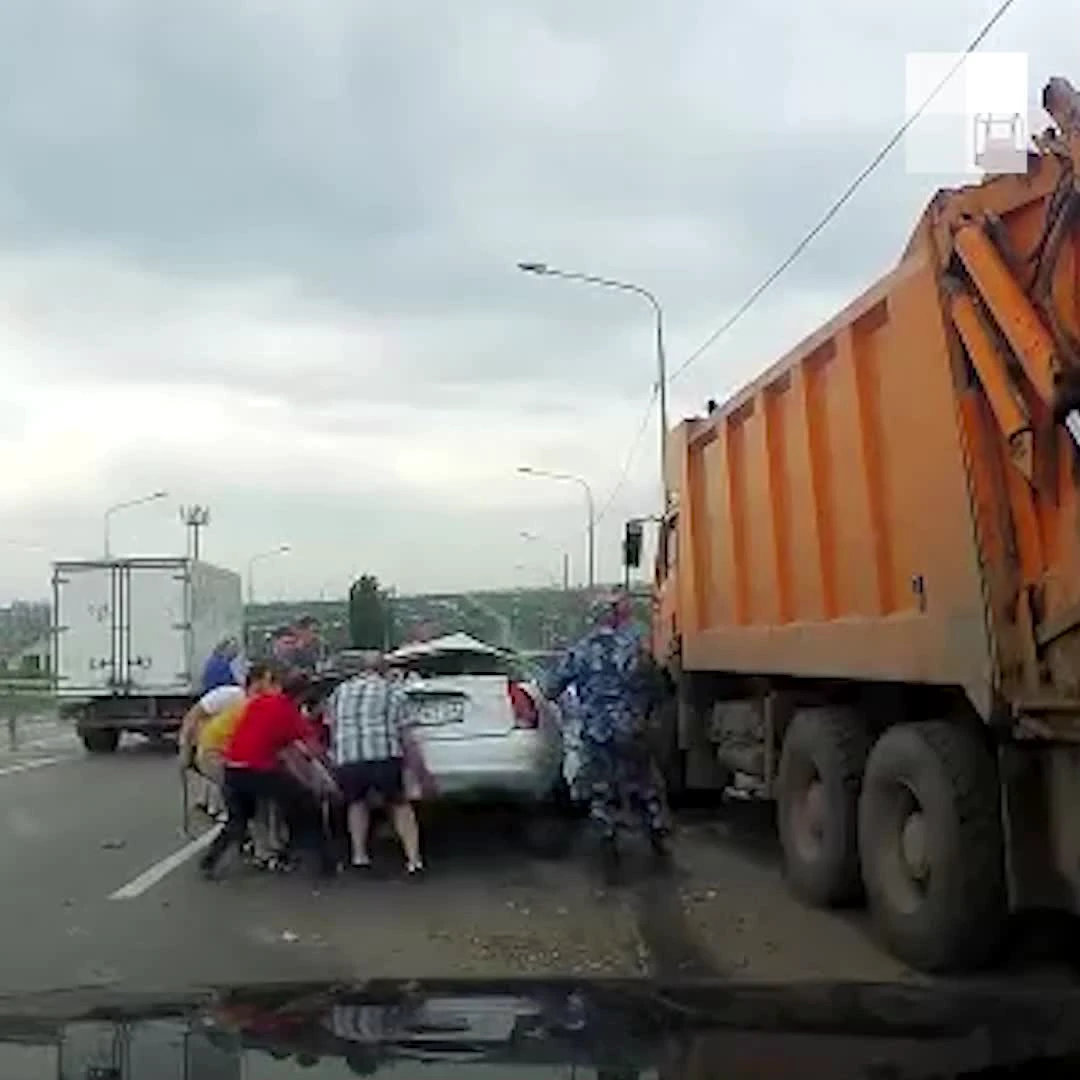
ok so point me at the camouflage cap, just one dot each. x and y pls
(603, 606)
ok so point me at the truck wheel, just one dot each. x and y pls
(932, 848)
(100, 740)
(821, 768)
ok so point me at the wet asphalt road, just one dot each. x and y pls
(100, 890)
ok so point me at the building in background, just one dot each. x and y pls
(32, 659)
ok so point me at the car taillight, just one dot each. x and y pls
(525, 712)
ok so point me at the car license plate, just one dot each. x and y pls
(434, 712)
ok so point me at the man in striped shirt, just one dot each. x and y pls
(369, 740)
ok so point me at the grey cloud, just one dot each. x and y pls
(385, 184)
(386, 164)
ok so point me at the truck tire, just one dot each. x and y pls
(932, 849)
(100, 740)
(821, 767)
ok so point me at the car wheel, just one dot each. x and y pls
(547, 834)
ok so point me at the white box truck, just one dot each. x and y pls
(130, 638)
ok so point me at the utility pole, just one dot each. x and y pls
(566, 571)
(195, 518)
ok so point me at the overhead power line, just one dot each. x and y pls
(628, 463)
(635, 446)
(798, 249)
(848, 192)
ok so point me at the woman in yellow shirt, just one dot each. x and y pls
(212, 737)
(206, 728)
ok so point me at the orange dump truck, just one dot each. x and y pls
(867, 592)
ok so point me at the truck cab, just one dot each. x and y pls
(664, 629)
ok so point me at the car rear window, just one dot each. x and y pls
(463, 663)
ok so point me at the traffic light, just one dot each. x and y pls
(632, 544)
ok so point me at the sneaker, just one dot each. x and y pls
(415, 872)
(660, 842)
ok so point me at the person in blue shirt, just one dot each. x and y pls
(220, 667)
(608, 670)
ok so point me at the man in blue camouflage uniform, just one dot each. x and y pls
(606, 668)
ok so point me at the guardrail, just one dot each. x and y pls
(24, 702)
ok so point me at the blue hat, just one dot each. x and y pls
(605, 604)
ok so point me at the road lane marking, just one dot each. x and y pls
(53, 742)
(26, 766)
(149, 878)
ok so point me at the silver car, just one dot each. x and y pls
(486, 731)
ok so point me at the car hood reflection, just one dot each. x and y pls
(608, 1029)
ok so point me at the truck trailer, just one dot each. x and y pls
(130, 638)
(867, 588)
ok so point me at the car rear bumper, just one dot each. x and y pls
(521, 765)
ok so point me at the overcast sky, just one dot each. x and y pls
(261, 255)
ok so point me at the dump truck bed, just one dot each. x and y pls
(893, 500)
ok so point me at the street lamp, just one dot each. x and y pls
(141, 501)
(283, 549)
(544, 270)
(590, 505)
(536, 568)
(564, 558)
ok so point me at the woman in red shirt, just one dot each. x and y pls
(271, 723)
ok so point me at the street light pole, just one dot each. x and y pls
(107, 518)
(661, 354)
(284, 549)
(564, 560)
(590, 504)
(532, 568)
